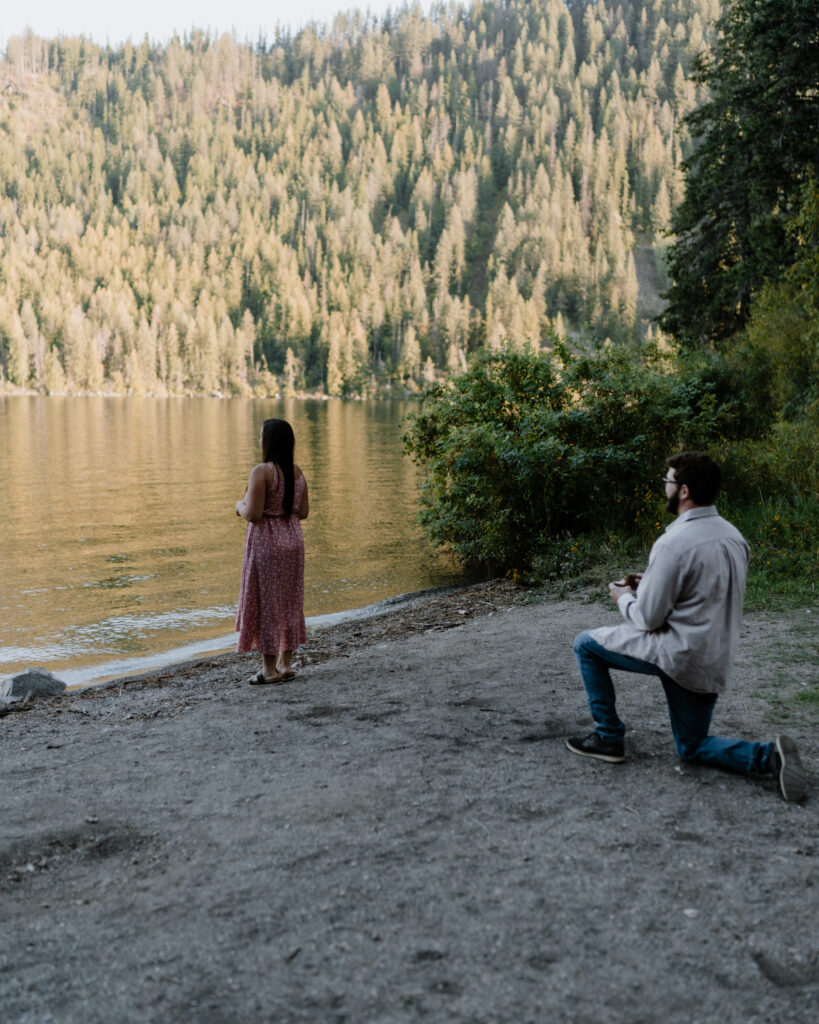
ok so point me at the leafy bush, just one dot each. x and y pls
(784, 464)
(771, 494)
(780, 333)
(784, 540)
(524, 448)
(740, 380)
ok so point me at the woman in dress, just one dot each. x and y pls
(270, 618)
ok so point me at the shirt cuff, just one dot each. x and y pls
(624, 602)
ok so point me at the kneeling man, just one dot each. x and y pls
(682, 625)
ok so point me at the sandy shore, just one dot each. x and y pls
(400, 835)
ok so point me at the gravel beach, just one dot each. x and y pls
(400, 835)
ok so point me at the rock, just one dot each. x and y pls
(36, 681)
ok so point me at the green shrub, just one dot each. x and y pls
(740, 380)
(784, 542)
(525, 448)
(770, 494)
(566, 564)
(784, 464)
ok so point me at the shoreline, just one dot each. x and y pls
(392, 618)
(137, 666)
(380, 395)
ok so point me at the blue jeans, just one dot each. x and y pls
(690, 712)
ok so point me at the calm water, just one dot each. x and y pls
(118, 539)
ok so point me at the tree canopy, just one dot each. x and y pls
(756, 146)
(347, 207)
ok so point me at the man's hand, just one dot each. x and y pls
(617, 589)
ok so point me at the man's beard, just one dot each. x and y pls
(673, 503)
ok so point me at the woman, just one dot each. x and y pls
(271, 599)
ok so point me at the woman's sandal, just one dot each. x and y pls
(260, 679)
(287, 675)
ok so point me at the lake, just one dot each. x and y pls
(119, 546)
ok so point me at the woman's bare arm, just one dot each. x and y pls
(304, 508)
(252, 505)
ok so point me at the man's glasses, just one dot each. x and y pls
(668, 480)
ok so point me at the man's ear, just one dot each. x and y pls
(685, 494)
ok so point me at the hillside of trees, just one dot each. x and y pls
(349, 209)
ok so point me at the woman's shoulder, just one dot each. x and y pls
(266, 470)
(298, 473)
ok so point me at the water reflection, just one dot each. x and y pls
(117, 532)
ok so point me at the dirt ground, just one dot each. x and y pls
(400, 835)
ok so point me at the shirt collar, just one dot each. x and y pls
(700, 512)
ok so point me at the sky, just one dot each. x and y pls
(110, 21)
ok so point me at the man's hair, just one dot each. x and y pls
(700, 473)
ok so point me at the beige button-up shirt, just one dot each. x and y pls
(688, 609)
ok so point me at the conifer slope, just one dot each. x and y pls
(348, 207)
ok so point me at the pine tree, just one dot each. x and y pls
(292, 374)
(758, 137)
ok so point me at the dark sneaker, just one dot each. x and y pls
(787, 767)
(593, 746)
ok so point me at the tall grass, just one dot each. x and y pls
(784, 550)
(771, 495)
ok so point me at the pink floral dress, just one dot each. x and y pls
(271, 598)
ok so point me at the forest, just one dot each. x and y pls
(353, 209)
(543, 463)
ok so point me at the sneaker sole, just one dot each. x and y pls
(610, 758)
(794, 781)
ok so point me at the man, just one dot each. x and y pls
(682, 625)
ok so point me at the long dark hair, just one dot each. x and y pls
(278, 443)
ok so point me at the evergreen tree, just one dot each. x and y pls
(757, 140)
